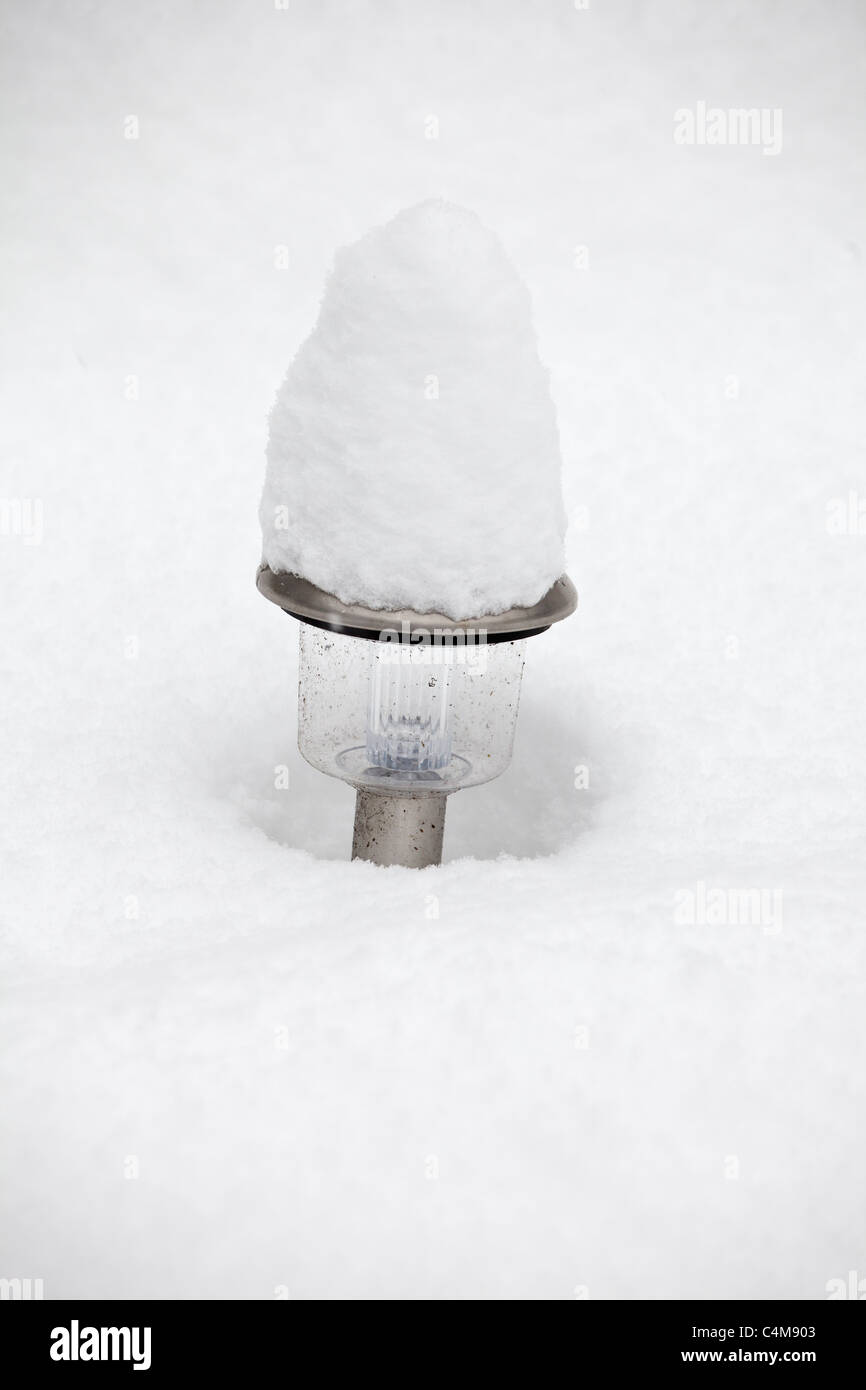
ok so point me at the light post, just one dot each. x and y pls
(407, 707)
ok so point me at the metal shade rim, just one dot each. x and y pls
(312, 605)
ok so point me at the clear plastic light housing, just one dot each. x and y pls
(395, 715)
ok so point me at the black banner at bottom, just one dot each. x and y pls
(157, 1339)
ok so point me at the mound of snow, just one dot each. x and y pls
(413, 457)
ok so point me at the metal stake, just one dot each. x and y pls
(399, 828)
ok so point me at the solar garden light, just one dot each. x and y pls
(412, 521)
(407, 707)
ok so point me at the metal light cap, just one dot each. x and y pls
(311, 605)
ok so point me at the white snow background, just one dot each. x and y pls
(235, 1064)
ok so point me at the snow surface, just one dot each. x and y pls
(413, 457)
(521, 1074)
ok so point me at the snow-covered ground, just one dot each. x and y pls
(235, 1063)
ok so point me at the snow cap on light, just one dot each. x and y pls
(413, 456)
